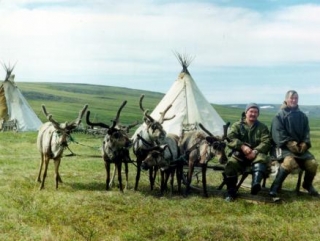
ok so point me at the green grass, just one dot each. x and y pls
(81, 209)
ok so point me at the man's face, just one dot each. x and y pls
(252, 114)
(292, 100)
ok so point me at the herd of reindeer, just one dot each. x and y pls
(155, 150)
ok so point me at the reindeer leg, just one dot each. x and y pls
(152, 176)
(107, 166)
(56, 171)
(189, 179)
(204, 179)
(167, 176)
(138, 174)
(112, 178)
(40, 169)
(126, 172)
(172, 172)
(119, 164)
(179, 173)
(162, 184)
(44, 175)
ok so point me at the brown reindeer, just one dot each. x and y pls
(51, 142)
(115, 147)
(152, 133)
(164, 156)
(198, 149)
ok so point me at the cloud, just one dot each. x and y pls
(127, 43)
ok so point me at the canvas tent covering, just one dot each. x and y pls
(189, 106)
(14, 107)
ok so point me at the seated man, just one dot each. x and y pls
(291, 137)
(250, 142)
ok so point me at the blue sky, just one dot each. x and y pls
(244, 50)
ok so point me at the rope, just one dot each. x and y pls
(74, 141)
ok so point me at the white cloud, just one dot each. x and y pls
(106, 41)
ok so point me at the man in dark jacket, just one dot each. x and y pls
(250, 144)
(291, 137)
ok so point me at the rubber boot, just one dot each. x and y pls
(277, 183)
(307, 183)
(231, 188)
(258, 173)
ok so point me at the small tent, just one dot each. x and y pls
(189, 106)
(14, 107)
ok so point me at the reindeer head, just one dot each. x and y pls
(155, 128)
(217, 143)
(116, 137)
(155, 157)
(65, 127)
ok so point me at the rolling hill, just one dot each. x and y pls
(64, 100)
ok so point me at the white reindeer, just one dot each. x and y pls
(51, 142)
(151, 134)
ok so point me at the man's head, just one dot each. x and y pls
(292, 98)
(252, 105)
(252, 112)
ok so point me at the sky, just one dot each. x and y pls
(243, 50)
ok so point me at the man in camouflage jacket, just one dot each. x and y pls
(250, 144)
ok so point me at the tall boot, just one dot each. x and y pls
(231, 182)
(258, 173)
(277, 183)
(307, 183)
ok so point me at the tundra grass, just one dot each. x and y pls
(81, 208)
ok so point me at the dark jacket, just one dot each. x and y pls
(290, 124)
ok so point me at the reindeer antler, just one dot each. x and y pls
(162, 114)
(120, 109)
(116, 120)
(140, 103)
(145, 112)
(81, 114)
(205, 130)
(50, 118)
(95, 124)
(211, 137)
(127, 128)
(63, 126)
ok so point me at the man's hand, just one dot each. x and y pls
(246, 150)
(293, 147)
(252, 155)
(303, 147)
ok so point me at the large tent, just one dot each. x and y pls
(14, 107)
(189, 106)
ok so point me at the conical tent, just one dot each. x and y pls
(189, 106)
(13, 105)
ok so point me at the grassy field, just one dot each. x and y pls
(81, 209)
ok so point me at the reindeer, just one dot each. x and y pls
(151, 134)
(115, 147)
(51, 142)
(164, 156)
(199, 149)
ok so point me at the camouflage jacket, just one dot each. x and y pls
(256, 136)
